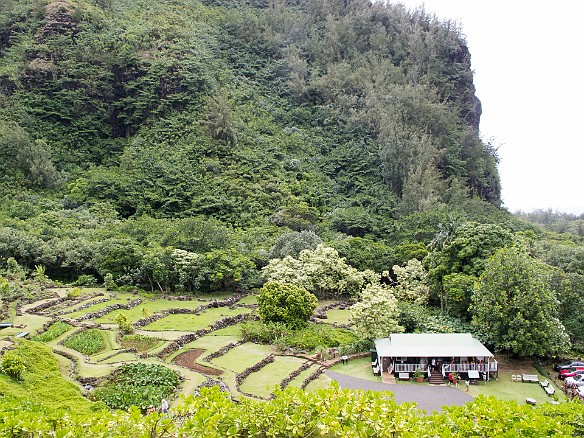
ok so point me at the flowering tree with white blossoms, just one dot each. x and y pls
(320, 271)
(411, 282)
(375, 316)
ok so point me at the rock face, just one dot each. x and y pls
(42, 64)
(58, 21)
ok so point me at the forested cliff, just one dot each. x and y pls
(267, 111)
(133, 129)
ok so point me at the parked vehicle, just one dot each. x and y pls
(570, 370)
(575, 381)
(565, 365)
(571, 374)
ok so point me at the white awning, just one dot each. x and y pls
(431, 345)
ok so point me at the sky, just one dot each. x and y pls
(528, 63)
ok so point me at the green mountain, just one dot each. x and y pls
(259, 112)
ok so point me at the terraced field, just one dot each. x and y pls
(200, 337)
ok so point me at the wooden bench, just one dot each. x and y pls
(544, 384)
(404, 376)
(530, 401)
(550, 390)
(22, 335)
(531, 378)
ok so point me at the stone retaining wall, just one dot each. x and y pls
(222, 323)
(240, 377)
(108, 309)
(286, 381)
(222, 351)
(176, 311)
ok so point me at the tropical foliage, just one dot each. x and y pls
(286, 303)
(296, 413)
(137, 384)
(515, 308)
(89, 341)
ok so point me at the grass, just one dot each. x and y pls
(232, 330)
(122, 357)
(120, 299)
(152, 306)
(323, 381)
(249, 299)
(360, 368)
(300, 378)
(505, 389)
(338, 316)
(261, 383)
(243, 356)
(31, 324)
(72, 306)
(42, 382)
(189, 322)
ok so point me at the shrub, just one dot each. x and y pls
(73, 293)
(54, 331)
(85, 280)
(87, 342)
(137, 384)
(308, 338)
(123, 323)
(286, 303)
(13, 364)
(139, 342)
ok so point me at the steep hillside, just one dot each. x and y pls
(272, 112)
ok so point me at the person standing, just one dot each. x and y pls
(164, 406)
(467, 384)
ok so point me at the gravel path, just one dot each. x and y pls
(428, 398)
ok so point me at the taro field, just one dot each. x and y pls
(199, 337)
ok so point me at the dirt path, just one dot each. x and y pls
(188, 359)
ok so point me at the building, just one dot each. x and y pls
(448, 352)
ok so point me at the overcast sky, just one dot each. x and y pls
(528, 63)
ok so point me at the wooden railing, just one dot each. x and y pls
(464, 367)
(447, 368)
(409, 367)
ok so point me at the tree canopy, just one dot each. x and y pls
(514, 307)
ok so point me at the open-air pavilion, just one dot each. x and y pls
(447, 352)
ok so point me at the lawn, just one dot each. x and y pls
(122, 357)
(299, 379)
(338, 316)
(505, 389)
(151, 306)
(243, 356)
(262, 382)
(232, 330)
(207, 343)
(73, 305)
(360, 368)
(323, 381)
(190, 322)
(27, 323)
(119, 299)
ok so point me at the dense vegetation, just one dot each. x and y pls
(87, 341)
(331, 412)
(199, 146)
(137, 384)
(131, 130)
